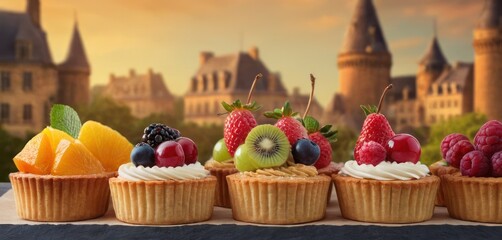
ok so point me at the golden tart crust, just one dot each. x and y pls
(397, 201)
(50, 198)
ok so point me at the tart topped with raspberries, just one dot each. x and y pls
(386, 176)
(163, 165)
(477, 182)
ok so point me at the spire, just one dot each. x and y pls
(434, 55)
(491, 16)
(76, 58)
(364, 33)
(33, 10)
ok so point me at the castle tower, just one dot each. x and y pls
(364, 61)
(488, 60)
(74, 73)
(430, 67)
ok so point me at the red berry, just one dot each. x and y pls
(497, 164)
(293, 129)
(169, 154)
(189, 148)
(326, 151)
(375, 128)
(238, 124)
(489, 138)
(371, 153)
(449, 141)
(457, 152)
(403, 148)
(475, 164)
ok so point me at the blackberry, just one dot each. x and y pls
(157, 133)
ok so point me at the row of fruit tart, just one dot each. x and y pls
(73, 165)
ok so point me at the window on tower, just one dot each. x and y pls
(4, 81)
(4, 112)
(23, 50)
(27, 81)
(27, 112)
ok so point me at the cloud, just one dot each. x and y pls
(406, 43)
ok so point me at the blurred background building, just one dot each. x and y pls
(30, 81)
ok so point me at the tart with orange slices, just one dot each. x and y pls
(63, 174)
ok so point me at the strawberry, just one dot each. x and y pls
(288, 124)
(322, 137)
(375, 127)
(240, 120)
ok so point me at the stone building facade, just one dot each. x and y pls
(436, 93)
(227, 78)
(30, 81)
(144, 94)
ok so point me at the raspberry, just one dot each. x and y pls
(497, 164)
(455, 154)
(475, 164)
(449, 141)
(489, 138)
(371, 153)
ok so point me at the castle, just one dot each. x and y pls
(229, 77)
(144, 94)
(437, 92)
(30, 81)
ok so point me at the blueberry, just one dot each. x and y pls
(143, 155)
(306, 152)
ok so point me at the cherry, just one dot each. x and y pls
(169, 154)
(403, 148)
(189, 148)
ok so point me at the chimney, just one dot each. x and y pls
(132, 73)
(204, 57)
(150, 72)
(112, 77)
(33, 9)
(254, 53)
(296, 91)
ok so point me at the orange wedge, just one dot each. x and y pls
(107, 145)
(55, 135)
(36, 157)
(73, 158)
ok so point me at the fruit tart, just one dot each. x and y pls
(385, 183)
(267, 189)
(164, 183)
(63, 175)
(238, 123)
(475, 192)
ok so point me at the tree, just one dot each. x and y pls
(10, 147)
(467, 124)
(343, 148)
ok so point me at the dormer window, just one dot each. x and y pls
(23, 50)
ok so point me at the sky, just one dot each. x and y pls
(294, 37)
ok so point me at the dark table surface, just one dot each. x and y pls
(231, 231)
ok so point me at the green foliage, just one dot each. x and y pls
(467, 124)
(343, 148)
(10, 146)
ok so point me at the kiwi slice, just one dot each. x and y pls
(267, 146)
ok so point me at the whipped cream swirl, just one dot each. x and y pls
(192, 171)
(386, 170)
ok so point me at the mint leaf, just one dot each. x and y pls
(65, 119)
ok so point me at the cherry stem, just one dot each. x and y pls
(312, 80)
(382, 97)
(258, 77)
